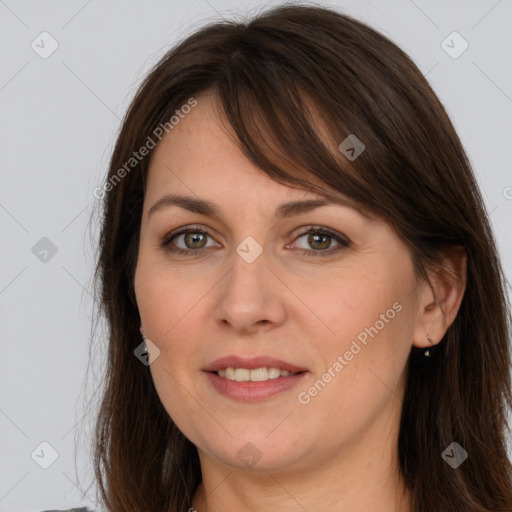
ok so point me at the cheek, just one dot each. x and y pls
(167, 307)
(356, 304)
(165, 295)
(364, 346)
(174, 377)
(362, 372)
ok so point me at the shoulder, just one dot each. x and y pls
(82, 509)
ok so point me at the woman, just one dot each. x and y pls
(291, 223)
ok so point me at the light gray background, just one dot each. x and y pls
(59, 117)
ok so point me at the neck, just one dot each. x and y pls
(364, 476)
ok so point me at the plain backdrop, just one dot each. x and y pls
(60, 113)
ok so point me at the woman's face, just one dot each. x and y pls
(259, 284)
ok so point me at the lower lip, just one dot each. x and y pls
(249, 391)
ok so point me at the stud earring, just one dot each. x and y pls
(427, 351)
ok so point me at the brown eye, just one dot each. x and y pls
(319, 242)
(188, 241)
(195, 239)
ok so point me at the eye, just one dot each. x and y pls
(194, 238)
(320, 240)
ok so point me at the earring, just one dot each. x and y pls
(427, 352)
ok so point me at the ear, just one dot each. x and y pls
(439, 304)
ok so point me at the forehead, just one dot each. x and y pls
(201, 153)
(201, 146)
(201, 159)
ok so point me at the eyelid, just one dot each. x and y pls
(323, 230)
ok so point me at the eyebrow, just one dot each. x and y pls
(205, 207)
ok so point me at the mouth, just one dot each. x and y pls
(261, 374)
(253, 384)
(254, 372)
(253, 369)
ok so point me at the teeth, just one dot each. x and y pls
(255, 375)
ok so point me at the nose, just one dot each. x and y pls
(251, 297)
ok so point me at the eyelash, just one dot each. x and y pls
(316, 230)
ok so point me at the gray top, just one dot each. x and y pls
(83, 509)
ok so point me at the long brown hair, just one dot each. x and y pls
(278, 76)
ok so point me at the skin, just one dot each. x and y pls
(339, 451)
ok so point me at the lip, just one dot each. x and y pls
(252, 363)
(249, 391)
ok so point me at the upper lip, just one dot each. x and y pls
(251, 363)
